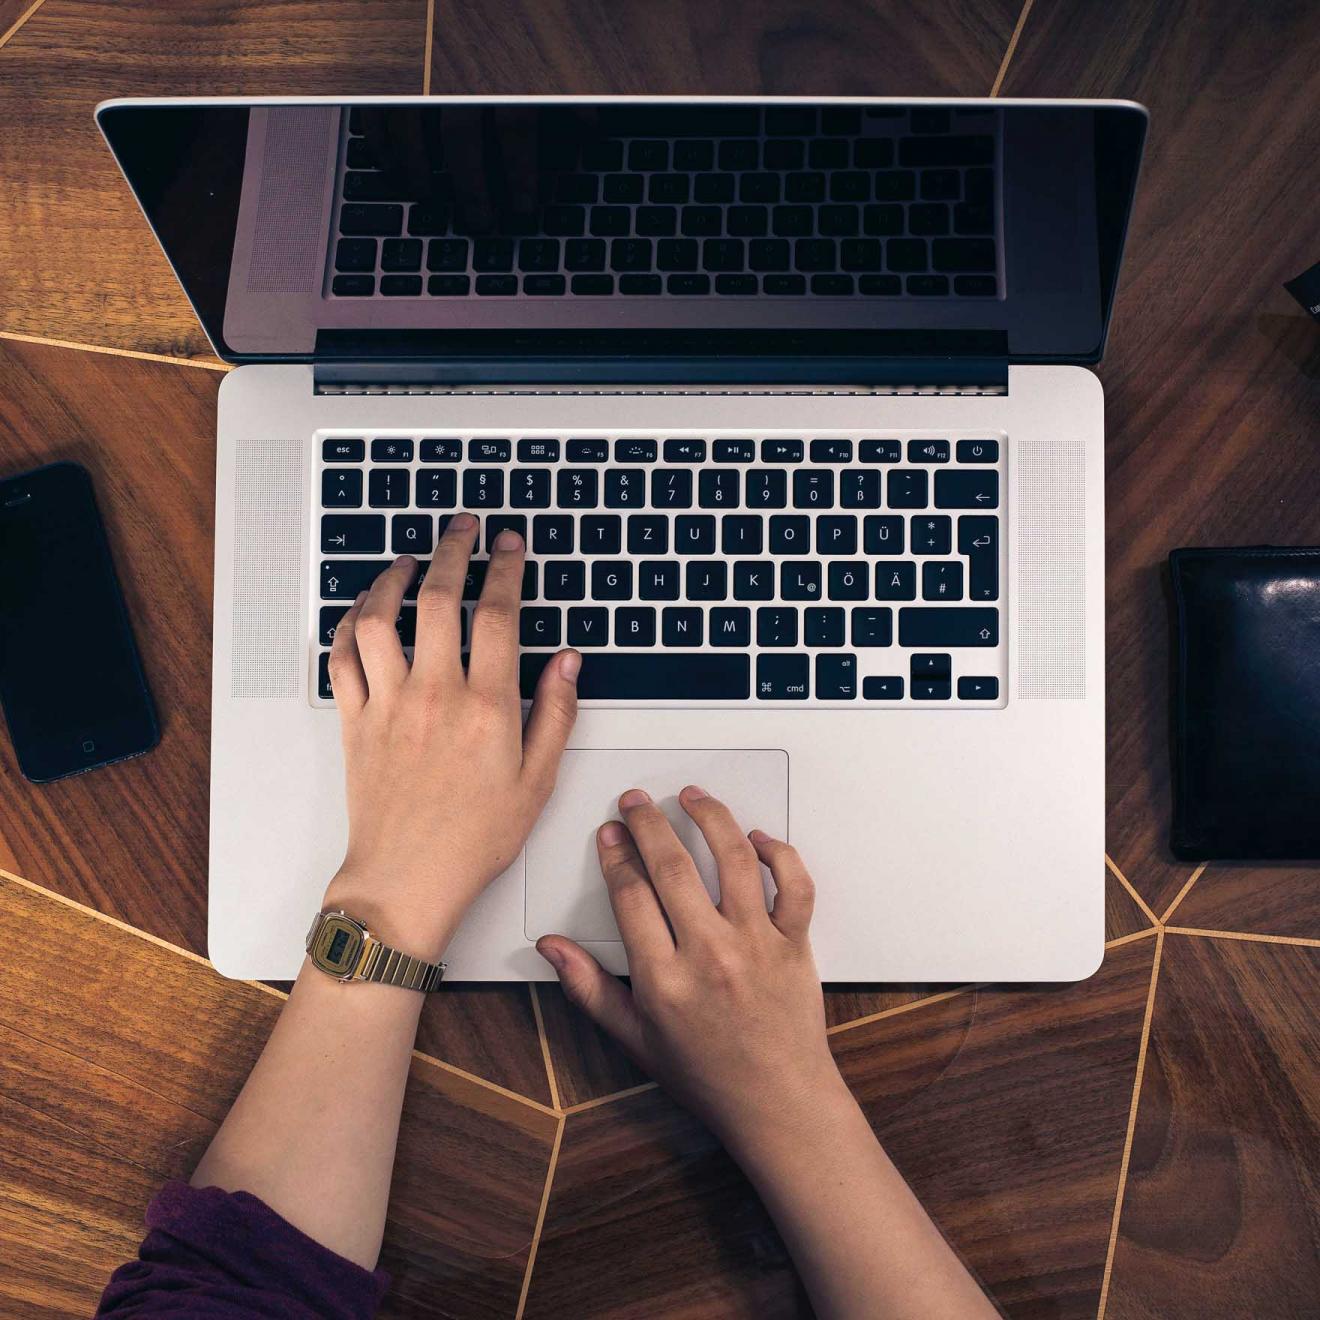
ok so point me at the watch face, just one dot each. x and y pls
(337, 946)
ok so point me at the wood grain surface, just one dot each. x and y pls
(1221, 1215)
(1265, 899)
(100, 1102)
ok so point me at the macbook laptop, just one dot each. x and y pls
(791, 401)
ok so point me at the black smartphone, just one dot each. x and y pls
(71, 680)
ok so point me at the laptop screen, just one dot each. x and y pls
(323, 230)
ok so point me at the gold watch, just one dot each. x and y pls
(345, 949)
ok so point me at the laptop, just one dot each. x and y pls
(791, 400)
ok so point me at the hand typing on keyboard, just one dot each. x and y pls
(444, 783)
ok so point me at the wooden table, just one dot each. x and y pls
(1143, 1144)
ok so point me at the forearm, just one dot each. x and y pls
(313, 1131)
(860, 1238)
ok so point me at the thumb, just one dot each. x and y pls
(602, 997)
(551, 719)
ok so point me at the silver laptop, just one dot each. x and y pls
(791, 400)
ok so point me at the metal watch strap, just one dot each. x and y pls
(388, 966)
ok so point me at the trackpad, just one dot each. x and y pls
(565, 892)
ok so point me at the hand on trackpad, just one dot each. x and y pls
(565, 892)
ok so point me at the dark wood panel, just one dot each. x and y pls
(1006, 1110)
(1211, 373)
(1122, 915)
(782, 47)
(117, 1082)
(1264, 899)
(1221, 1214)
(80, 263)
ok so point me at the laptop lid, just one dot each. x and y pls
(598, 238)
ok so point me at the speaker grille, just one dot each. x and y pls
(268, 518)
(289, 234)
(1050, 517)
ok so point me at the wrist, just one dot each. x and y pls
(803, 1112)
(423, 930)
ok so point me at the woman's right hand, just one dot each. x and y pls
(725, 1009)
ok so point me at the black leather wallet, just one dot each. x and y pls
(1246, 703)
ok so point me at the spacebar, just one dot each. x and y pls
(652, 676)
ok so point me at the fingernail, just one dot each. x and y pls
(462, 522)
(695, 793)
(759, 836)
(553, 955)
(359, 598)
(611, 833)
(403, 561)
(570, 665)
(634, 797)
(508, 539)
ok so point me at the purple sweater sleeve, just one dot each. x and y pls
(217, 1255)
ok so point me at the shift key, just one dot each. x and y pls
(948, 627)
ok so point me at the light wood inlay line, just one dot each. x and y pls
(1136, 935)
(1012, 46)
(611, 1098)
(1132, 1124)
(545, 1046)
(430, 37)
(1183, 892)
(540, 1214)
(18, 23)
(910, 1007)
(203, 363)
(1127, 884)
(1300, 940)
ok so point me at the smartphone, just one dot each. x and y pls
(71, 680)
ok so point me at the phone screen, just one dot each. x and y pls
(70, 679)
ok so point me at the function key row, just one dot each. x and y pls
(499, 450)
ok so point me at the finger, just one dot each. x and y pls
(551, 720)
(602, 997)
(669, 865)
(633, 899)
(494, 662)
(795, 891)
(742, 895)
(347, 680)
(440, 602)
(376, 632)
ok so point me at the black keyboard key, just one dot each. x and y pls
(931, 689)
(489, 451)
(882, 534)
(946, 150)
(688, 284)
(348, 534)
(759, 187)
(447, 254)
(907, 254)
(483, 488)
(735, 451)
(634, 451)
(323, 689)
(671, 488)
(610, 221)
(353, 286)
(625, 488)
(593, 286)
(343, 451)
(735, 285)
(895, 185)
(782, 451)
(442, 451)
(706, 579)
(539, 626)
(941, 185)
(928, 451)
(978, 689)
(804, 186)
(476, 579)
(685, 451)
(631, 254)
(669, 190)
(931, 666)
(928, 218)
(908, 489)
(942, 580)
(883, 688)
(412, 533)
(813, 489)
(388, 488)
(588, 451)
(832, 286)
(391, 451)
(932, 535)
(731, 626)
(788, 222)
(578, 488)
(503, 522)
(873, 153)
(881, 451)
(848, 580)
(448, 286)
(838, 221)
(790, 534)
(859, 490)
(364, 218)
(776, 625)
(782, 677)
(492, 254)
(799, 579)
(676, 254)
(654, 675)
(978, 539)
(544, 286)
(741, 535)
(634, 626)
(681, 625)
(588, 626)
(977, 451)
(694, 534)
(836, 534)
(753, 579)
(329, 621)
(552, 534)
(717, 489)
(564, 579)
(748, 221)
(928, 285)
(831, 451)
(872, 627)
(883, 220)
(649, 286)
(600, 534)
(342, 579)
(973, 218)
(355, 254)
(690, 155)
(648, 534)
(529, 488)
(823, 626)
(814, 254)
(497, 286)
(976, 255)
(717, 188)
(657, 579)
(896, 581)
(836, 677)
(405, 254)
(538, 254)
(782, 286)
(723, 254)
(584, 254)
(952, 626)
(767, 489)
(966, 489)
(437, 490)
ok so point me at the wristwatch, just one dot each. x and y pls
(345, 949)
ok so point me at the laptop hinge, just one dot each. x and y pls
(764, 376)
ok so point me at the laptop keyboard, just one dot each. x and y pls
(827, 570)
(779, 201)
